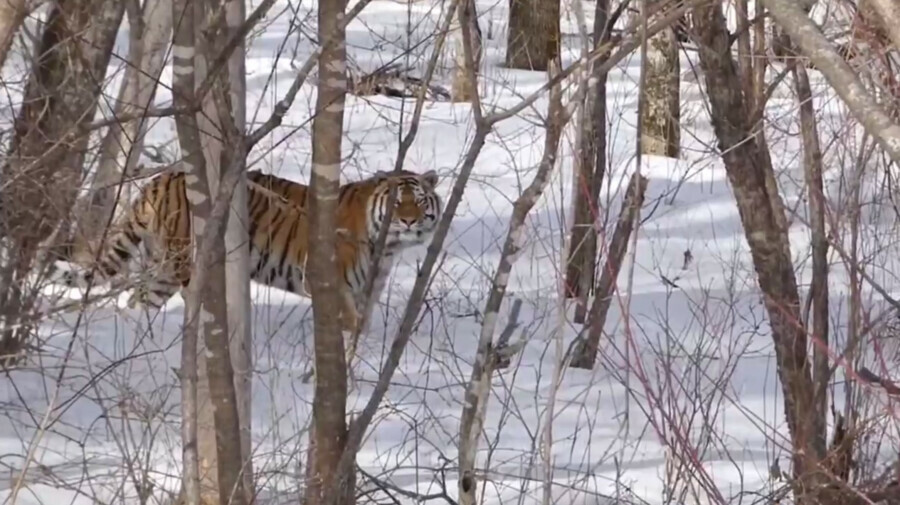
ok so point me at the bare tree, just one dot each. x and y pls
(149, 37)
(329, 433)
(533, 34)
(748, 168)
(237, 267)
(661, 114)
(585, 354)
(463, 89)
(43, 168)
(205, 299)
(221, 123)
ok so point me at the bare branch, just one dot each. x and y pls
(842, 78)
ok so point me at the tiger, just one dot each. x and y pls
(158, 224)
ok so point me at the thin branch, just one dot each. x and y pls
(838, 73)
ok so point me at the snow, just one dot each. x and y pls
(689, 374)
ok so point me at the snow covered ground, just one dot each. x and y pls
(689, 374)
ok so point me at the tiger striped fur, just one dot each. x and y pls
(158, 225)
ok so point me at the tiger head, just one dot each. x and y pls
(417, 207)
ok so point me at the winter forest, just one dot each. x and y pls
(449, 252)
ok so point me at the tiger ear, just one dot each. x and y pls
(431, 177)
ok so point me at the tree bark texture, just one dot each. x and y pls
(747, 166)
(184, 77)
(43, 169)
(237, 266)
(588, 181)
(12, 14)
(462, 89)
(218, 441)
(812, 42)
(533, 34)
(329, 403)
(220, 438)
(812, 169)
(120, 150)
(660, 124)
(889, 16)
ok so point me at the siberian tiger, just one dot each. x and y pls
(158, 223)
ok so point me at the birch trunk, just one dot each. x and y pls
(660, 124)
(329, 434)
(218, 438)
(121, 148)
(237, 265)
(183, 72)
(225, 469)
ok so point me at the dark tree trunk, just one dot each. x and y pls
(533, 36)
(749, 170)
(589, 173)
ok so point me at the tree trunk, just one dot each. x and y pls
(120, 150)
(585, 354)
(43, 169)
(812, 162)
(748, 168)
(221, 436)
(660, 124)
(462, 87)
(237, 266)
(590, 170)
(889, 16)
(183, 72)
(12, 14)
(533, 34)
(329, 433)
